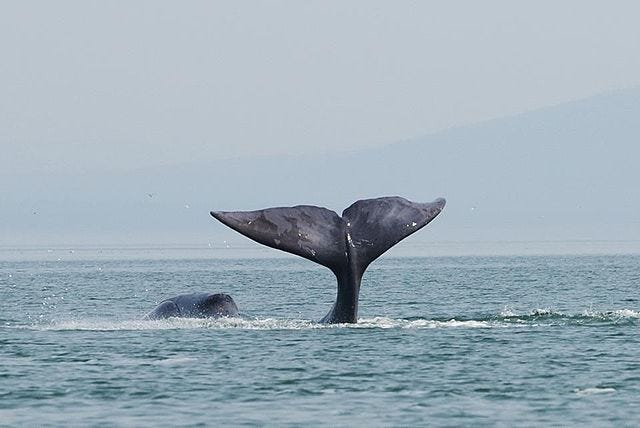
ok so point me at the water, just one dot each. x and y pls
(442, 341)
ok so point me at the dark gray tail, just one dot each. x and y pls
(346, 245)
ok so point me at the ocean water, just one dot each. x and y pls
(442, 341)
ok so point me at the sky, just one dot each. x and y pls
(124, 85)
(128, 121)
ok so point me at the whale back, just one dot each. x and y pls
(195, 305)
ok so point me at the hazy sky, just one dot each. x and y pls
(125, 84)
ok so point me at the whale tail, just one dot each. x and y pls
(346, 245)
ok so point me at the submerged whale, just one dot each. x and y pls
(195, 305)
(345, 244)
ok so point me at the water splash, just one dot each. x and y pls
(506, 318)
(616, 314)
(252, 324)
(381, 322)
(547, 316)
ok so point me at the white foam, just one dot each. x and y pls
(175, 361)
(544, 312)
(381, 322)
(507, 312)
(176, 324)
(257, 324)
(618, 313)
(626, 313)
(505, 318)
(592, 391)
(111, 325)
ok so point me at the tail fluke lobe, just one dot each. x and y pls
(311, 232)
(375, 225)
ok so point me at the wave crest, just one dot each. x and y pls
(547, 315)
(505, 318)
(254, 324)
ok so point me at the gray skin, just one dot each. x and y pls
(346, 245)
(195, 305)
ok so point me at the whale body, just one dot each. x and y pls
(345, 244)
(195, 305)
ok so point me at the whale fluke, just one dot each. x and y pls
(346, 245)
(311, 232)
(375, 225)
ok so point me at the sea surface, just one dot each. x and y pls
(502, 340)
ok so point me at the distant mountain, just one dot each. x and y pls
(563, 172)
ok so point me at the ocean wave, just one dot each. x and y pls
(253, 324)
(175, 324)
(175, 361)
(595, 390)
(547, 315)
(505, 318)
(617, 314)
(420, 323)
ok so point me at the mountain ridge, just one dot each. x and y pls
(565, 171)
